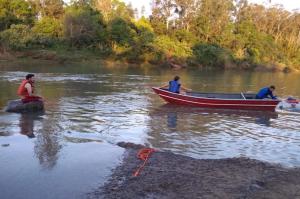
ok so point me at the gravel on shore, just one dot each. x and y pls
(168, 175)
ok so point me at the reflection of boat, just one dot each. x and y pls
(243, 101)
(172, 111)
(167, 108)
(19, 107)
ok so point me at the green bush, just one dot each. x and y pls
(184, 36)
(212, 55)
(17, 37)
(49, 27)
(171, 47)
(15, 12)
(84, 27)
(48, 32)
(145, 35)
(121, 32)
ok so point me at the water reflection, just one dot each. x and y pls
(210, 133)
(26, 123)
(172, 119)
(118, 102)
(172, 111)
(265, 119)
(47, 144)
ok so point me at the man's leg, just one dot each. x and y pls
(31, 99)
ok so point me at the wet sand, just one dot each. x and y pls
(168, 175)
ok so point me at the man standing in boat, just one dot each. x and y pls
(26, 90)
(175, 86)
(266, 92)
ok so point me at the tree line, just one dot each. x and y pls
(209, 33)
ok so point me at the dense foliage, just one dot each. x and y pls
(213, 33)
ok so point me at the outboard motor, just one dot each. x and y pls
(290, 104)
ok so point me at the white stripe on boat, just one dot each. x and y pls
(166, 96)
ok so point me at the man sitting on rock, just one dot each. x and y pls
(26, 90)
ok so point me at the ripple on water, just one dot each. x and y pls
(104, 117)
(125, 109)
(213, 134)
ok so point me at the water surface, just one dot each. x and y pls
(71, 149)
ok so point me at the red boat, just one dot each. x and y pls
(241, 101)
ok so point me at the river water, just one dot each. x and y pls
(71, 149)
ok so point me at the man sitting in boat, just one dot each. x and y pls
(266, 92)
(26, 90)
(175, 86)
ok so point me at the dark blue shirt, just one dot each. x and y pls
(265, 93)
(174, 86)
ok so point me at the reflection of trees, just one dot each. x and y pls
(46, 149)
(47, 145)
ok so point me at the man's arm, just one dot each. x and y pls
(185, 89)
(29, 89)
(165, 86)
(272, 96)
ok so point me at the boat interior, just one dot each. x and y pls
(223, 95)
(241, 95)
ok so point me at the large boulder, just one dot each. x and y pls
(18, 106)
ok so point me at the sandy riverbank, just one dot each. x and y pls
(167, 175)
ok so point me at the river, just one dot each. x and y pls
(71, 149)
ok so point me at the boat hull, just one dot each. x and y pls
(241, 104)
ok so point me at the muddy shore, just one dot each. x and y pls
(168, 175)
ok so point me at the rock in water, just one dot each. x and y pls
(18, 106)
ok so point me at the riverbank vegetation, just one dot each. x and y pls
(179, 33)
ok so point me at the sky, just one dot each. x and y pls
(287, 4)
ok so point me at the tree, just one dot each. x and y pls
(171, 47)
(187, 10)
(136, 13)
(84, 26)
(280, 26)
(212, 55)
(105, 7)
(17, 37)
(144, 35)
(15, 12)
(49, 8)
(162, 10)
(212, 18)
(113, 9)
(143, 11)
(49, 27)
(121, 32)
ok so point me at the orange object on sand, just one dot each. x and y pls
(143, 154)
